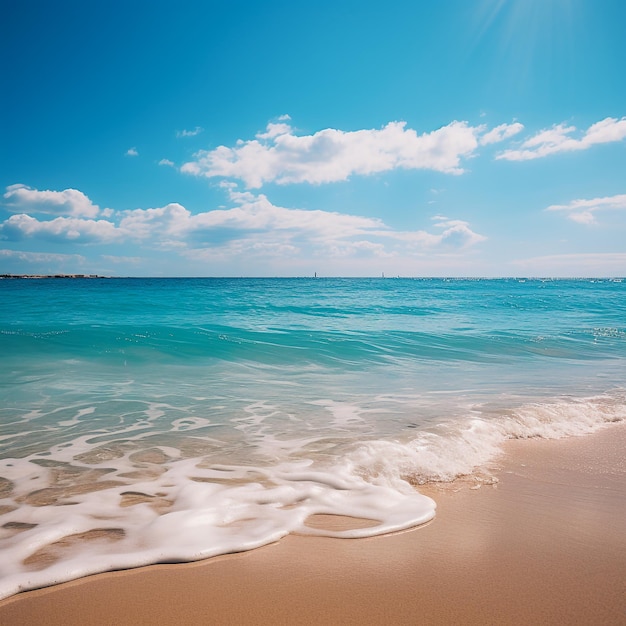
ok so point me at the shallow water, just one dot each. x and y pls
(154, 420)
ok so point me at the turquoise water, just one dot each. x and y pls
(174, 419)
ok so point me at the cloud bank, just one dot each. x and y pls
(60, 229)
(269, 236)
(252, 225)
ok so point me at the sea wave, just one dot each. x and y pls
(454, 449)
(162, 420)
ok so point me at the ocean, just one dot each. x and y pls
(169, 420)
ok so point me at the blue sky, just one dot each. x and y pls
(231, 138)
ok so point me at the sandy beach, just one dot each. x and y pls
(544, 545)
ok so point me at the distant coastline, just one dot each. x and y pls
(51, 276)
(521, 279)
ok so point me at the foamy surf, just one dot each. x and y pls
(63, 519)
(459, 448)
(184, 513)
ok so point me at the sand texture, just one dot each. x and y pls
(545, 545)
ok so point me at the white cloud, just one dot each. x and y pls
(254, 213)
(147, 223)
(500, 133)
(330, 155)
(274, 130)
(166, 162)
(559, 139)
(67, 202)
(132, 152)
(60, 229)
(584, 217)
(252, 227)
(583, 211)
(457, 232)
(189, 133)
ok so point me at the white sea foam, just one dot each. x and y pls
(458, 448)
(156, 505)
(256, 506)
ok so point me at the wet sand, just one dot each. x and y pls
(545, 545)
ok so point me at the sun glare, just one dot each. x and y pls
(529, 35)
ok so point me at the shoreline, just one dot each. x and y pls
(39, 276)
(544, 545)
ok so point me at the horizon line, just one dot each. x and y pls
(78, 276)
